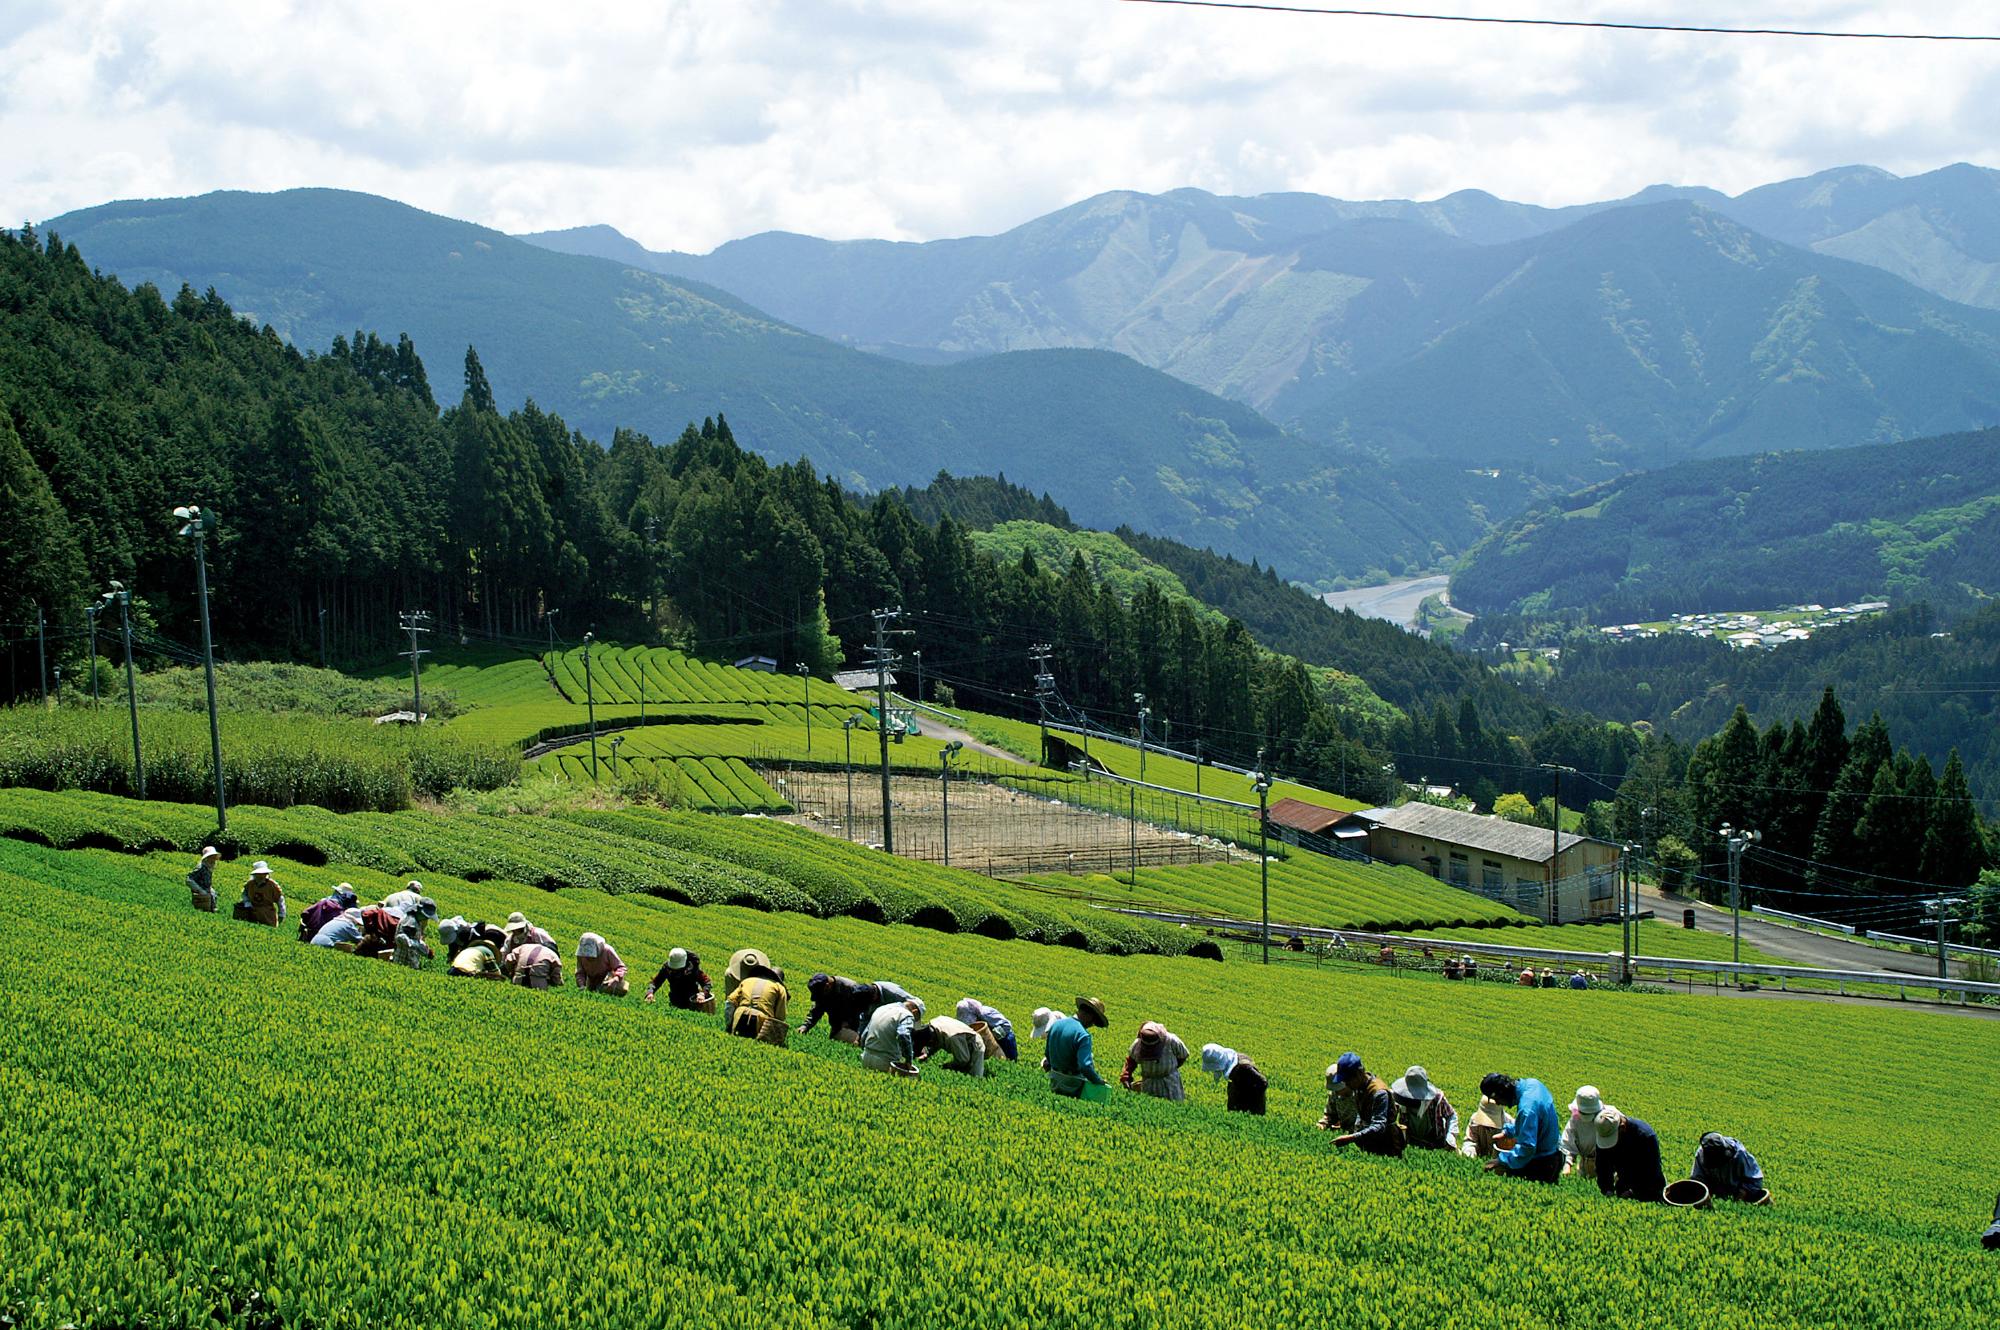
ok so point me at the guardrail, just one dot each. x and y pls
(1789, 917)
(1926, 945)
(1965, 988)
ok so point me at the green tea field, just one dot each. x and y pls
(260, 1133)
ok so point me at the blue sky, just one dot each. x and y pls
(687, 124)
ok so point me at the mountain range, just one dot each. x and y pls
(1841, 308)
(608, 346)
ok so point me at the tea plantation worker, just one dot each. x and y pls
(1246, 1083)
(411, 949)
(1040, 1022)
(519, 931)
(263, 899)
(477, 961)
(1579, 980)
(745, 964)
(342, 932)
(972, 1011)
(411, 902)
(201, 880)
(1156, 1058)
(1485, 1136)
(379, 928)
(532, 965)
(1528, 977)
(1428, 1120)
(963, 1049)
(1069, 1060)
(1730, 1170)
(1991, 1238)
(756, 1006)
(1628, 1157)
(598, 968)
(687, 986)
(1341, 1109)
(889, 1040)
(457, 933)
(846, 1003)
(1537, 1150)
(1375, 1129)
(325, 908)
(1579, 1141)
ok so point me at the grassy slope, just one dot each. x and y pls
(312, 1125)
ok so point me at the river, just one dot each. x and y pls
(1395, 601)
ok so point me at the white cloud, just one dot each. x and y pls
(687, 123)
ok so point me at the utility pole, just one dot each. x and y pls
(1556, 838)
(848, 725)
(42, 652)
(920, 674)
(414, 622)
(124, 599)
(1140, 700)
(549, 619)
(1197, 766)
(945, 755)
(1045, 686)
(883, 659)
(616, 739)
(196, 524)
(1737, 842)
(652, 577)
(590, 704)
(1261, 782)
(1628, 903)
(322, 636)
(90, 613)
(1941, 910)
(805, 678)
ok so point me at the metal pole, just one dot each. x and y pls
(1132, 830)
(1263, 847)
(590, 704)
(920, 674)
(882, 618)
(42, 653)
(849, 727)
(1140, 698)
(1197, 766)
(208, 665)
(90, 616)
(131, 689)
(805, 677)
(944, 784)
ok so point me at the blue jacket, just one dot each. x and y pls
(1535, 1128)
(1738, 1173)
(1069, 1055)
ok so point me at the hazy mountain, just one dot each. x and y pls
(606, 345)
(1367, 321)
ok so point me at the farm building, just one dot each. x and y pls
(1295, 820)
(1566, 879)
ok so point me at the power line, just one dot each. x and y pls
(1712, 30)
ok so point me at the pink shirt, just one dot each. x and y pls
(596, 969)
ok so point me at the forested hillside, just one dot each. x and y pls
(1909, 521)
(606, 346)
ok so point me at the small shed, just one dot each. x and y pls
(1292, 818)
(762, 664)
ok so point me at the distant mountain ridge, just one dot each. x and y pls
(607, 345)
(1468, 327)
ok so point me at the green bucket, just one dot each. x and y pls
(1096, 1093)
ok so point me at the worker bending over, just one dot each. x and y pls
(745, 964)
(201, 880)
(846, 1003)
(325, 908)
(1579, 1139)
(889, 1041)
(411, 902)
(1536, 1154)
(1069, 1060)
(1155, 1059)
(963, 1048)
(1991, 1238)
(1729, 1170)
(1486, 1135)
(1428, 1120)
(756, 1006)
(973, 1012)
(263, 900)
(532, 965)
(519, 931)
(1375, 1128)
(598, 969)
(1246, 1084)
(687, 986)
(478, 961)
(1628, 1157)
(341, 933)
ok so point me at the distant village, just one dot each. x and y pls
(1751, 631)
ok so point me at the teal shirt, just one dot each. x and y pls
(1069, 1051)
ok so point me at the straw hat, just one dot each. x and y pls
(1490, 1114)
(1587, 1103)
(1090, 1011)
(210, 852)
(1609, 1120)
(1415, 1084)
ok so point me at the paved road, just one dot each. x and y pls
(932, 728)
(1792, 944)
(1395, 601)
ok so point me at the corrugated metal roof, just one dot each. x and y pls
(1303, 816)
(858, 681)
(1474, 831)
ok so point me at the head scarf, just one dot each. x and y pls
(1218, 1061)
(1043, 1019)
(589, 946)
(970, 1011)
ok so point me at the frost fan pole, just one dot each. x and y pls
(882, 661)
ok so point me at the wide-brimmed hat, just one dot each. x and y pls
(1151, 1033)
(1041, 1021)
(1490, 1113)
(516, 920)
(1609, 1120)
(1415, 1084)
(1218, 1061)
(210, 852)
(414, 885)
(260, 869)
(1588, 1102)
(428, 908)
(1090, 1011)
(677, 959)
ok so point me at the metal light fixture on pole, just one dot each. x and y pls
(945, 755)
(805, 678)
(1737, 842)
(1628, 905)
(848, 725)
(590, 704)
(196, 523)
(1045, 686)
(1140, 700)
(616, 739)
(549, 621)
(1261, 781)
(123, 597)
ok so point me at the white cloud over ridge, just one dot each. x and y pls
(690, 122)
